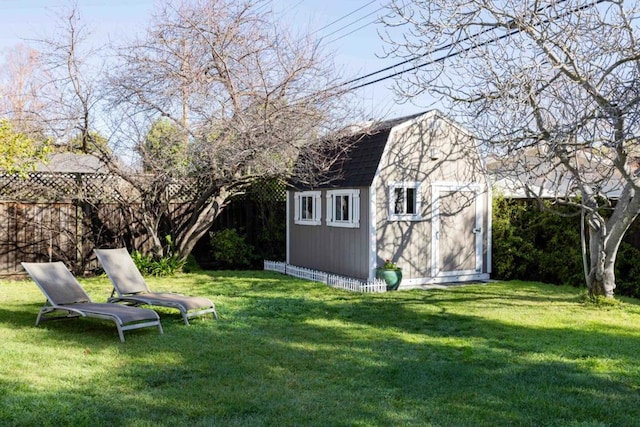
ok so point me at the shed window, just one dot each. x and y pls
(404, 201)
(307, 208)
(343, 208)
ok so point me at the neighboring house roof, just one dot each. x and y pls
(72, 163)
(537, 176)
(513, 189)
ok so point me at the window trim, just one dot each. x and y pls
(316, 201)
(353, 208)
(405, 185)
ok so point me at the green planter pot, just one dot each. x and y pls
(391, 277)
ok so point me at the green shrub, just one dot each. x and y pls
(160, 267)
(191, 265)
(557, 238)
(628, 270)
(534, 244)
(270, 243)
(230, 250)
(539, 245)
(513, 252)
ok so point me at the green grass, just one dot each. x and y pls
(287, 352)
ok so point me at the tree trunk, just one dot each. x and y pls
(605, 237)
(603, 248)
(601, 280)
(199, 224)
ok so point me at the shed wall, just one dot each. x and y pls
(337, 250)
(426, 151)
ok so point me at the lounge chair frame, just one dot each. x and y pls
(129, 287)
(75, 302)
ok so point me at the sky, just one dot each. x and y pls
(347, 26)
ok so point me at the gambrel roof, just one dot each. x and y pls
(357, 165)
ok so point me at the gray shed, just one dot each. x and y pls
(411, 190)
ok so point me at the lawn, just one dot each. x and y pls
(288, 352)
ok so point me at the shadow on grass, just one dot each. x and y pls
(76, 330)
(294, 353)
(20, 316)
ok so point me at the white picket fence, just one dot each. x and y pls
(335, 281)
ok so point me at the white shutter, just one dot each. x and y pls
(317, 208)
(296, 207)
(356, 208)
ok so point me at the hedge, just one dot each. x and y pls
(536, 244)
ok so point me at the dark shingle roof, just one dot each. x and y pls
(358, 165)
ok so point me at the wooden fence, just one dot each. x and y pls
(58, 231)
(64, 216)
(61, 217)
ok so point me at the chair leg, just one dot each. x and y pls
(39, 318)
(120, 333)
(185, 317)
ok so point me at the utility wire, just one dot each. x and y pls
(452, 54)
(353, 22)
(343, 17)
(445, 47)
(350, 32)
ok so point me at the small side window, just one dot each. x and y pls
(343, 208)
(404, 201)
(307, 209)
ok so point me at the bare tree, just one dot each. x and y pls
(242, 97)
(21, 82)
(72, 92)
(553, 87)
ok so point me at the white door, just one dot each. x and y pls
(457, 233)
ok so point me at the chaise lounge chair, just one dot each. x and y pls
(65, 294)
(130, 287)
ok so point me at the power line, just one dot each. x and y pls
(353, 22)
(351, 32)
(344, 17)
(445, 47)
(452, 54)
